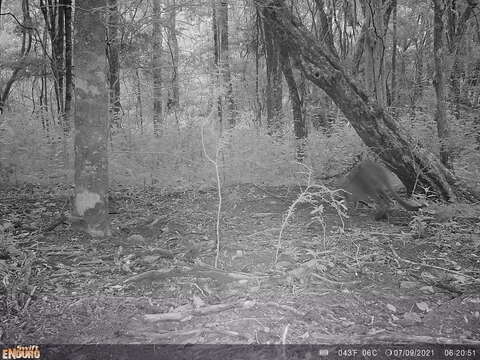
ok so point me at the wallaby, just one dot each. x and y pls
(369, 180)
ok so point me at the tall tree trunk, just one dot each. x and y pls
(157, 68)
(67, 121)
(439, 83)
(174, 99)
(90, 206)
(225, 99)
(113, 59)
(274, 93)
(393, 90)
(375, 50)
(393, 143)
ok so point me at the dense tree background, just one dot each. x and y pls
(176, 67)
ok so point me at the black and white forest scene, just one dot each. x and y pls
(250, 179)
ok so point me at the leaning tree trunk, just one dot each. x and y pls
(401, 153)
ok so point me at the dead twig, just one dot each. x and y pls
(218, 150)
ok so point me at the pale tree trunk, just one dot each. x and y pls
(226, 102)
(90, 206)
(439, 83)
(412, 163)
(157, 68)
(174, 98)
(113, 58)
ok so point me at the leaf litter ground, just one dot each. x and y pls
(153, 281)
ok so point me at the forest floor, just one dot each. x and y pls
(415, 278)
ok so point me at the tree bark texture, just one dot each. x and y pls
(90, 208)
(377, 128)
(375, 50)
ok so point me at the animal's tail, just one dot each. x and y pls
(408, 205)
